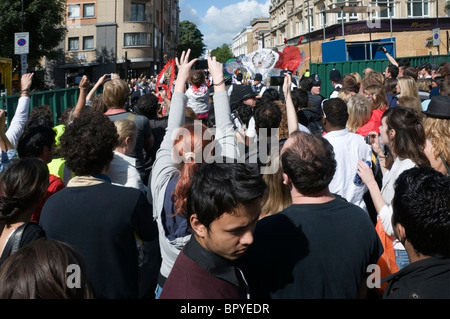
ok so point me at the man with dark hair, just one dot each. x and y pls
(421, 222)
(267, 118)
(348, 148)
(424, 70)
(223, 206)
(391, 72)
(320, 246)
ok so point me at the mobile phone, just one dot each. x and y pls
(200, 65)
(368, 138)
(276, 80)
(108, 76)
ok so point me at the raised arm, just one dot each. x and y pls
(94, 89)
(290, 108)
(225, 134)
(21, 114)
(81, 102)
(390, 58)
(176, 119)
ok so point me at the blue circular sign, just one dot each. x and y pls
(21, 42)
(436, 36)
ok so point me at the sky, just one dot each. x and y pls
(220, 20)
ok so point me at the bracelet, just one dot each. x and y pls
(220, 83)
(25, 91)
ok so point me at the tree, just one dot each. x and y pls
(190, 38)
(43, 19)
(223, 53)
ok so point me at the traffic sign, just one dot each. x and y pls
(21, 43)
(436, 40)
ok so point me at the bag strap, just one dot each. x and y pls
(13, 243)
(131, 116)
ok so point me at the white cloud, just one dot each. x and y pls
(219, 26)
(189, 14)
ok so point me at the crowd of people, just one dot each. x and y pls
(203, 190)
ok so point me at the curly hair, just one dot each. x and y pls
(308, 160)
(409, 140)
(438, 130)
(23, 184)
(88, 143)
(40, 270)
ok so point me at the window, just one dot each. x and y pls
(74, 11)
(311, 20)
(88, 43)
(89, 10)
(137, 12)
(383, 13)
(300, 25)
(73, 44)
(340, 15)
(323, 17)
(137, 39)
(418, 8)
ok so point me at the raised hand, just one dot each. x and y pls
(184, 70)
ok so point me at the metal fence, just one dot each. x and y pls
(345, 67)
(60, 99)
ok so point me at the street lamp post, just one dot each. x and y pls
(309, 34)
(22, 16)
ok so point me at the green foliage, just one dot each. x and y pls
(223, 53)
(190, 38)
(43, 19)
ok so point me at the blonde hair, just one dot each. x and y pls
(276, 196)
(125, 128)
(115, 93)
(411, 102)
(438, 130)
(408, 86)
(345, 95)
(359, 112)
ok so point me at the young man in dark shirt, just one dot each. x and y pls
(223, 206)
